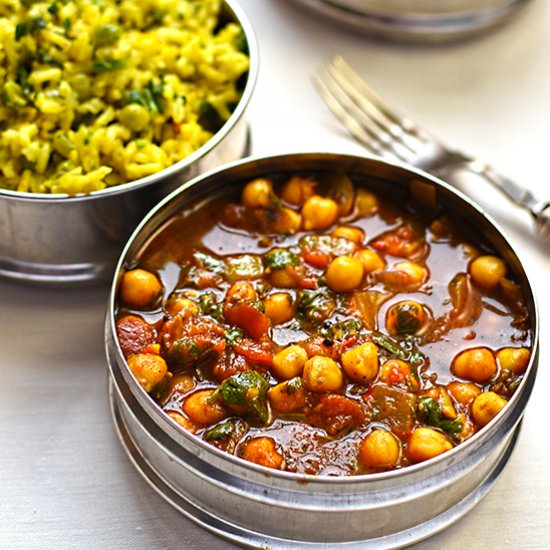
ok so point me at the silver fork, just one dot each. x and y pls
(385, 133)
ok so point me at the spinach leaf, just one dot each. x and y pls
(209, 305)
(221, 431)
(404, 350)
(30, 26)
(280, 259)
(315, 305)
(209, 262)
(143, 97)
(183, 352)
(340, 330)
(209, 117)
(155, 91)
(294, 385)
(232, 334)
(67, 24)
(22, 79)
(245, 390)
(429, 412)
(45, 58)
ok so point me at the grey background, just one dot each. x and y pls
(65, 481)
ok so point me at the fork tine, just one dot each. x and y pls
(356, 130)
(367, 138)
(361, 127)
(400, 127)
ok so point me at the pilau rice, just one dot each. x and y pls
(101, 92)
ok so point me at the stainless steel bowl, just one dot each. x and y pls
(418, 20)
(257, 506)
(57, 239)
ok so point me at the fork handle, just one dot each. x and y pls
(539, 210)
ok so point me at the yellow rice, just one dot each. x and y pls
(100, 92)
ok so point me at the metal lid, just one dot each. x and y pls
(418, 20)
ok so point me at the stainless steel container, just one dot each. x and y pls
(418, 20)
(257, 506)
(57, 239)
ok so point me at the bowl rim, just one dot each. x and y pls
(163, 421)
(252, 77)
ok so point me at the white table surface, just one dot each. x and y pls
(65, 481)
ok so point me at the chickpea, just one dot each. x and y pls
(322, 374)
(289, 362)
(344, 273)
(297, 190)
(279, 307)
(468, 429)
(380, 449)
(241, 291)
(178, 305)
(183, 421)
(148, 368)
(366, 203)
(139, 288)
(463, 392)
(287, 221)
(426, 443)
(486, 406)
(361, 363)
(134, 116)
(475, 364)
(395, 372)
(353, 234)
(257, 193)
(487, 271)
(283, 278)
(200, 411)
(182, 383)
(288, 397)
(263, 451)
(319, 213)
(514, 359)
(417, 273)
(406, 317)
(371, 260)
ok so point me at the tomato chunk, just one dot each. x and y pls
(134, 334)
(336, 413)
(248, 317)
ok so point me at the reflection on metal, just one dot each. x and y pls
(418, 20)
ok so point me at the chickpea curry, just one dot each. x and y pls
(309, 324)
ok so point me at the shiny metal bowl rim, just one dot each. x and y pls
(173, 169)
(162, 418)
(418, 16)
(414, 28)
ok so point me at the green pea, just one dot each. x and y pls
(134, 116)
(82, 85)
(106, 34)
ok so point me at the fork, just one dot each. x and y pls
(387, 134)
